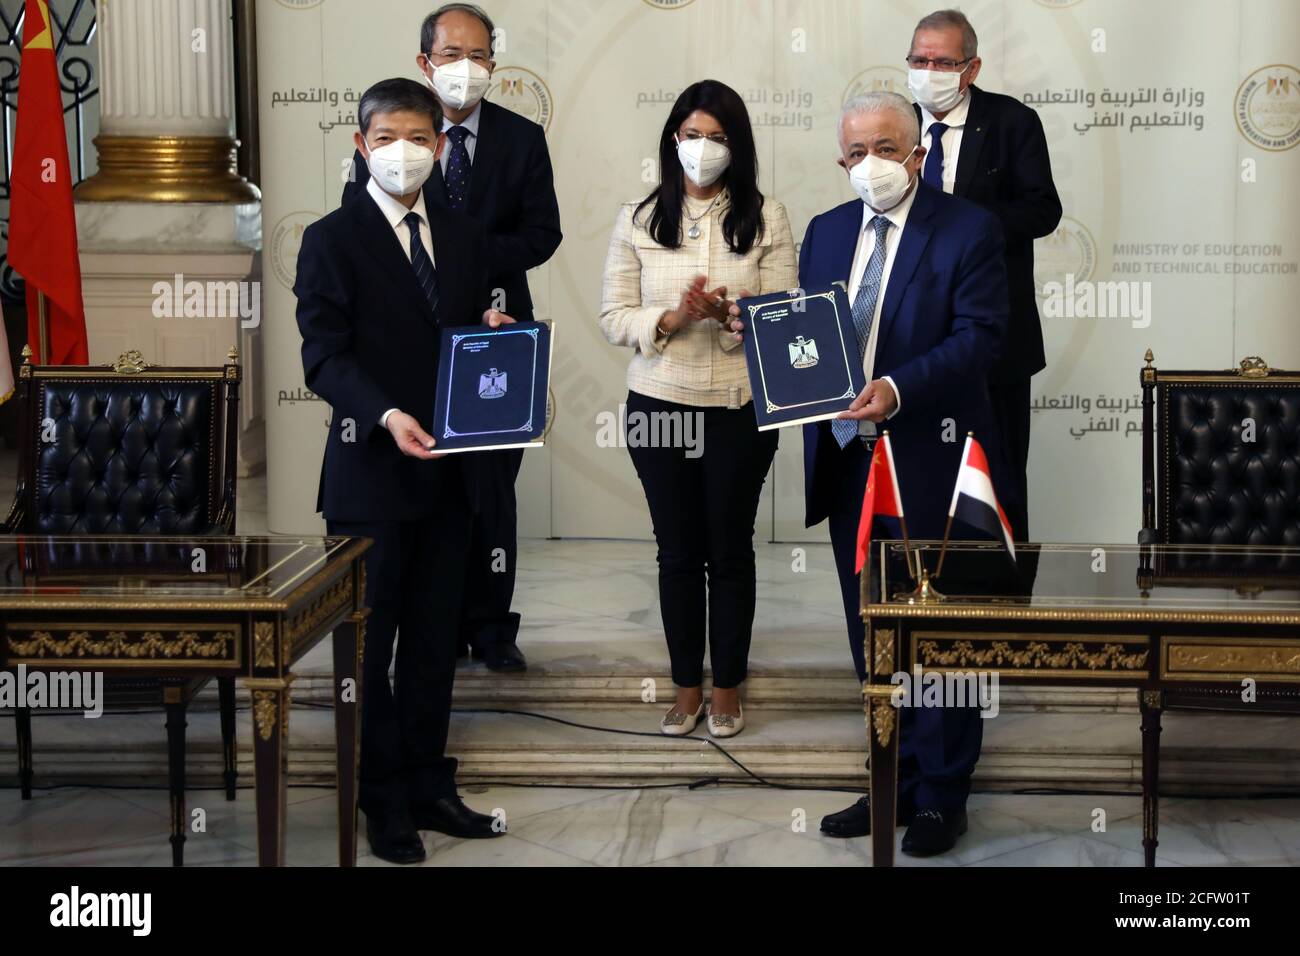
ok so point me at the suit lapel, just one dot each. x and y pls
(972, 141)
(486, 151)
(844, 242)
(916, 236)
(380, 241)
(435, 187)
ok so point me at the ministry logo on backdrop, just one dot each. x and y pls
(524, 92)
(286, 240)
(874, 79)
(1267, 107)
(668, 4)
(300, 4)
(1069, 250)
(1057, 4)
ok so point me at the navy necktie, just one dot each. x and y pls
(932, 175)
(457, 176)
(421, 263)
(864, 312)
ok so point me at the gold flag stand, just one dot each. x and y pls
(43, 328)
(925, 591)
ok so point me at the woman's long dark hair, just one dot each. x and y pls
(743, 223)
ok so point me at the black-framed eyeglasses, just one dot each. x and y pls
(943, 64)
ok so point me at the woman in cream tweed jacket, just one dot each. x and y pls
(704, 236)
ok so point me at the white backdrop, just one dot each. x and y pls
(1172, 125)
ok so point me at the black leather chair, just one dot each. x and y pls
(129, 449)
(1207, 480)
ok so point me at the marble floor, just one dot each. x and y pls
(720, 826)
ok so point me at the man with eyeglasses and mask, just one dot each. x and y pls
(495, 168)
(990, 149)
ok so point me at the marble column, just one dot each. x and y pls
(167, 205)
(166, 104)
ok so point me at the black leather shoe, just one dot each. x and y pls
(933, 832)
(449, 815)
(503, 658)
(856, 820)
(394, 838)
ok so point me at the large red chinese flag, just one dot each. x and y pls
(42, 225)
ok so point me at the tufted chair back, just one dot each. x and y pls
(127, 449)
(1222, 464)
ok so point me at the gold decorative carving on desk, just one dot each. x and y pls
(264, 712)
(264, 644)
(1229, 657)
(119, 644)
(882, 716)
(330, 601)
(884, 650)
(1034, 655)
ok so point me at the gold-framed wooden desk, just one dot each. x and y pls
(1157, 618)
(178, 607)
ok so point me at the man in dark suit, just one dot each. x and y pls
(497, 169)
(377, 279)
(924, 274)
(990, 149)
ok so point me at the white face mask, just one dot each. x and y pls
(703, 160)
(880, 183)
(461, 84)
(935, 91)
(400, 167)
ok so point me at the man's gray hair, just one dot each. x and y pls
(946, 20)
(882, 101)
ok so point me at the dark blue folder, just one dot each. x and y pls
(802, 353)
(492, 387)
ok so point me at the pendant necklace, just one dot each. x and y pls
(694, 231)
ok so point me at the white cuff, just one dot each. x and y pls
(898, 397)
(383, 419)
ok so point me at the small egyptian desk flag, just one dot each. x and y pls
(973, 500)
(882, 496)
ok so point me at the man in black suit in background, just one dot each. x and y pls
(496, 168)
(990, 149)
(377, 280)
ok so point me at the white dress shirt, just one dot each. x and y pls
(395, 213)
(951, 139)
(861, 256)
(471, 124)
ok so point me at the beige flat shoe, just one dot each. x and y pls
(679, 725)
(725, 725)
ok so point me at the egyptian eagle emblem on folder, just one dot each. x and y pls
(492, 384)
(803, 352)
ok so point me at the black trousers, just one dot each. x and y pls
(414, 578)
(703, 512)
(1011, 412)
(937, 746)
(486, 618)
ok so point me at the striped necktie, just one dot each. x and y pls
(421, 262)
(864, 312)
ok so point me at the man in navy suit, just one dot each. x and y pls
(925, 277)
(496, 168)
(377, 280)
(990, 149)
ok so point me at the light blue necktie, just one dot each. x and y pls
(864, 311)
